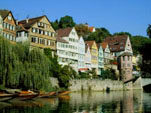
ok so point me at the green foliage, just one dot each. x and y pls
(82, 30)
(22, 68)
(122, 33)
(99, 35)
(146, 60)
(66, 21)
(55, 25)
(149, 31)
(62, 73)
(109, 74)
(138, 42)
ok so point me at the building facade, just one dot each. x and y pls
(68, 52)
(100, 59)
(87, 57)
(94, 54)
(81, 54)
(119, 44)
(107, 53)
(40, 33)
(7, 25)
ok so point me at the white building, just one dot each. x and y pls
(81, 55)
(87, 57)
(67, 50)
(22, 34)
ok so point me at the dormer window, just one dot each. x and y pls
(9, 18)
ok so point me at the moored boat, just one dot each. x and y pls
(61, 93)
(7, 97)
(47, 95)
(25, 95)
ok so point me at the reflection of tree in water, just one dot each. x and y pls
(109, 108)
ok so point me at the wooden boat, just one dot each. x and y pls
(61, 93)
(7, 97)
(25, 95)
(47, 95)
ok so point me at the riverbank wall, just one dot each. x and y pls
(95, 85)
(78, 85)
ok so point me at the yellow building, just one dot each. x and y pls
(94, 54)
(39, 32)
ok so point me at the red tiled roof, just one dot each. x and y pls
(116, 43)
(90, 43)
(104, 45)
(91, 29)
(64, 32)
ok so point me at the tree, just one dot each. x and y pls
(66, 21)
(55, 25)
(146, 60)
(149, 31)
(82, 30)
(99, 35)
(122, 33)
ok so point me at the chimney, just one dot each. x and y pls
(27, 20)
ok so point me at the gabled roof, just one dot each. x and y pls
(104, 45)
(64, 32)
(90, 43)
(31, 21)
(4, 13)
(117, 43)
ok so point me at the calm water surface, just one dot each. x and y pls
(98, 102)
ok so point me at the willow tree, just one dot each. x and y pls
(23, 68)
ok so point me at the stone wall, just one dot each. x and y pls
(95, 85)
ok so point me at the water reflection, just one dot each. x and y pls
(98, 102)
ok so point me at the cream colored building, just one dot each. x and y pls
(38, 31)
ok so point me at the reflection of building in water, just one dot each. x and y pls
(128, 105)
(138, 103)
(90, 101)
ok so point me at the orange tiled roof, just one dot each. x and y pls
(91, 29)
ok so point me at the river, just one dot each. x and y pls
(134, 101)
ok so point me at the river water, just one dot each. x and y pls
(134, 101)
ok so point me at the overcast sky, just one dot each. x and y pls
(116, 15)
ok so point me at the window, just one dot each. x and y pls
(33, 30)
(49, 42)
(40, 40)
(128, 65)
(45, 40)
(9, 18)
(33, 39)
(123, 58)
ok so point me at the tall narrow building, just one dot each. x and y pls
(67, 47)
(94, 54)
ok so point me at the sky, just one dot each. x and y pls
(116, 15)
